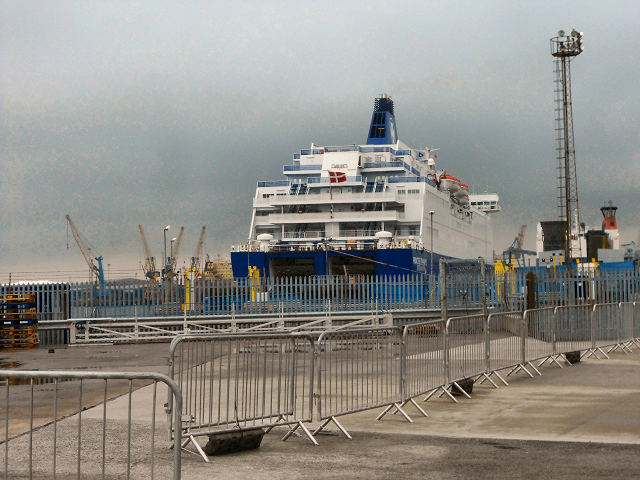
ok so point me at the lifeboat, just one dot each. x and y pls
(464, 200)
(462, 192)
(450, 183)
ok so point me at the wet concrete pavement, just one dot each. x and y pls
(581, 421)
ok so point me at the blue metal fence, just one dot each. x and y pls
(503, 291)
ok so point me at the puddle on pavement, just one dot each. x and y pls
(4, 363)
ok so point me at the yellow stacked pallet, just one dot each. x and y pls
(18, 321)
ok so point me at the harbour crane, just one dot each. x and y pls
(516, 251)
(149, 266)
(197, 254)
(195, 269)
(84, 248)
(170, 270)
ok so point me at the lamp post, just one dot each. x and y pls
(164, 260)
(164, 268)
(431, 212)
(171, 257)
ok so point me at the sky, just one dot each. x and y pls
(120, 113)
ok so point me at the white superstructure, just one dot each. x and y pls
(343, 196)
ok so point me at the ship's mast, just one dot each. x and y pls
(564, 49)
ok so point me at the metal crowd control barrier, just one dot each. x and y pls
(466, 351)
(636, 323)
(423, 357)
(505, 347)
(573, 330)
(605, 328)
(358, 370)
(59, 424)
(242, 382)
(539, 336)
(625, 316)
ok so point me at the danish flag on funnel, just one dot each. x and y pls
(337, 177)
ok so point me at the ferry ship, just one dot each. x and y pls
(381, 208)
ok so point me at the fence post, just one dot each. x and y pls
(72, 332)
(487, 343)
(234, 325)
(185, 327)
(554, 329)
(483, 279)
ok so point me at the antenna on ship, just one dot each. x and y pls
(564, 49)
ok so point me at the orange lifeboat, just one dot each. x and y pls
(450, 183)
(463, 192)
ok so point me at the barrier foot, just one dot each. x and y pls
(191, 439)
(418, 407)
(617, 346)
(627, 346)
(431, 393)
(533, 366)
(590, 352)
(545, 361)
(523, 367)
(280, 417)
(502, 379)
(448, 393)
(304, 429)
(517, 368)
(443, 392)
(398, 409)
(340, 427)
(602, 352)
(554, 359)
(460, 389)
(488, 377)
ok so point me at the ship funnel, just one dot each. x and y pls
(383, 123)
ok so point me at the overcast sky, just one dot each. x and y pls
(168, 113)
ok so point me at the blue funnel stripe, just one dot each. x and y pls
(383, 124)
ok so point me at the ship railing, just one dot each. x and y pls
(323, 180)
(383, 165)
(299, 168)
(57, 430)
(358, 233)
(318, 198)
(417, 179)
(277, 183)
(307, 234)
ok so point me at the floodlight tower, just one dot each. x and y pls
(564, 49)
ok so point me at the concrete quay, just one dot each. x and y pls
(581, 421)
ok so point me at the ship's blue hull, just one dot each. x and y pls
(400, 261)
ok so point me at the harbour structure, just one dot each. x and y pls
(373, 209)
(601, 245)
(566, 233)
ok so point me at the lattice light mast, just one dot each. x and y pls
(565, 49)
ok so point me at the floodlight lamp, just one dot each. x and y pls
(561, 33)
(173, 239)
(167, 227)
(575, 33)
